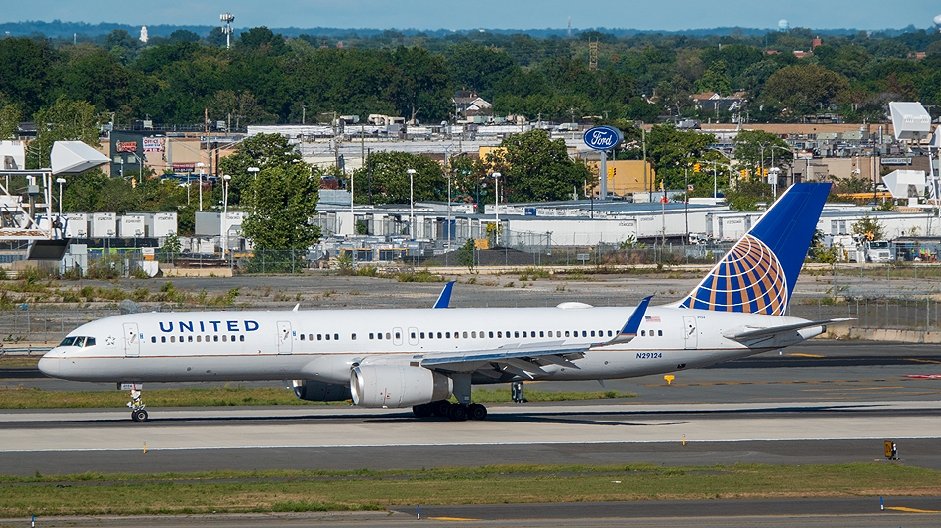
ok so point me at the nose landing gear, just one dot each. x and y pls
(138, 413)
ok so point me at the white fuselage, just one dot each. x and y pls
(323, 345)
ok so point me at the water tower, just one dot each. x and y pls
(783, 25)
(937, 22)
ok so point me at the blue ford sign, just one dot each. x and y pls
(603, 137)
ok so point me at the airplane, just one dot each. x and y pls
(421, 358)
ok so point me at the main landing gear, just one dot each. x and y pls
(455, 412)
(138, 414)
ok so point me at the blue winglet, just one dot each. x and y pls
(444, 298)
(633, 322)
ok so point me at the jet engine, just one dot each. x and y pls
(320, 392)
(397, 386)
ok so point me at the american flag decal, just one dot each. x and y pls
(652, 318)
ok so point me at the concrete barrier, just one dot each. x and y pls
(882, 334)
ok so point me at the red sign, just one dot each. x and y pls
(125, 146)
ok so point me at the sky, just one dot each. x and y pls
(493, 14)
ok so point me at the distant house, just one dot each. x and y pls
(714, 102)
(468, 105)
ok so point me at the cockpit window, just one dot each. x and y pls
(78, 341)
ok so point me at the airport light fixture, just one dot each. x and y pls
(411, 192)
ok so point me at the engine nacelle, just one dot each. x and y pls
(395, 386)
(320, 392)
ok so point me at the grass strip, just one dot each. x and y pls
(313, 490)
(35, 398)
(19, 361)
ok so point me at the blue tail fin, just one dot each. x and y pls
(759, 273)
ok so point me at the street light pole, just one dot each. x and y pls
(60, 181)
(201, 166)
(411, 193)
(254, 172)
(225, 209)
(496, 208)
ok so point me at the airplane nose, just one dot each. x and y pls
(49, 366)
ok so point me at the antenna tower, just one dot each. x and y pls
(593, 55)
(227, 19)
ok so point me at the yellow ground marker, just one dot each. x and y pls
(453, 519)
(906, 509)
(798, 354)
(919, 360)
(669, 379)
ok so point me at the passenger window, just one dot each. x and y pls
(584, 333)
(490, 334)
(398, 335)
(189, 339)
(302, 337)
(153, 339)
(242, 338)
(567, 334)
(499, 334)
(660, 332)
(371, 335)
(354, 337)
(473, 334)
(224, 338)
(413, 335)
(336, 337)
(558, 333)
(465, 335)
(379, 335)
(447, 335)
(439, 335)
(173, 339)
(326, 337)
(163, 339)
(215, 338)
(610, 333)
(542, 333)
(643, 333)
(388, 335)
(199, 338)
(592, 333)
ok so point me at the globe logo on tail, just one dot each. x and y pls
(749, 279)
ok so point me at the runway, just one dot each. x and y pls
(824, 402)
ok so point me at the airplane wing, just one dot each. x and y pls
(747, 334)
(444, 298)
(526, 359)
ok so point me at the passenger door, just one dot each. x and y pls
(285, 338)
(691, 339)
(131, 340)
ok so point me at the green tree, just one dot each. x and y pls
(465, 255)
(675, 152)
(868, 228)
(803, 89)
(9, 121)
(385, 179)
(537, 168)
(263, 151)
(287, 201)
(63, 120)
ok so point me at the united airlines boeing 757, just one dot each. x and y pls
(420, 358)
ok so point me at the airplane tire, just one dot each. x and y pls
(422, 411)
(476, 411)
(457, 413)
(139, 416)
(441, 408)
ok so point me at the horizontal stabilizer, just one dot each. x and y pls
(750, 333)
